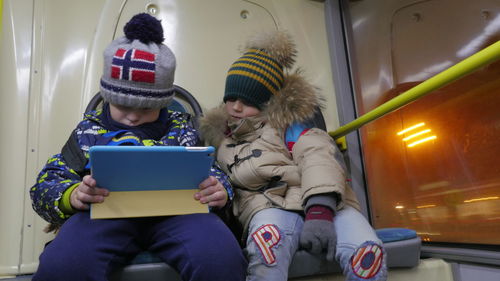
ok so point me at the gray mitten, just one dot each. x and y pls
(318, 232)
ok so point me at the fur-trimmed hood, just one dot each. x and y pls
(297, 101)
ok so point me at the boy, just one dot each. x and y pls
(283, 170)
(136, 85)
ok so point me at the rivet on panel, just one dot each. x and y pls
(244, 14)
(152, 9)
(416, 17)
(486, 14)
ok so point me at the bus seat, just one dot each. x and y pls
(317, 121)
(182, 102)
(402, 246)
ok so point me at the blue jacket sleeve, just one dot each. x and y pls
(180, 132)
(52, 181)
(224, 180)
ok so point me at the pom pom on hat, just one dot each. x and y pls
(138, 69)
(277, 44)
(144, 28)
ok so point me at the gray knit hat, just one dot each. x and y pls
(138, 68)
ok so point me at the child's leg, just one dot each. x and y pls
(200, 246)
(273, 239)
(359, 251)
(86, 249)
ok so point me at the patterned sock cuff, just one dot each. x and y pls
(319, 212)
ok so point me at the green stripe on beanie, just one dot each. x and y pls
(254, 78)
(246, 89)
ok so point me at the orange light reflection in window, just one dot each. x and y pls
(410, 128)
(422, 141)
(481, 199)
(426, 206)
(416, 134)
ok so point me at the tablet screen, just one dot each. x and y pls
(127, 168)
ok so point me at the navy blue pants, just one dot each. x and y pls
(199, 246)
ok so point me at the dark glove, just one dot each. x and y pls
(318, 232)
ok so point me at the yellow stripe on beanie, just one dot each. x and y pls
(264, 56)
(277, 84)
(254, 77)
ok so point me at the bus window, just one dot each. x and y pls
(432, 165)
(441, 176)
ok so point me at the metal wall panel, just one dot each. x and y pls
(51, 62)
(15, 58)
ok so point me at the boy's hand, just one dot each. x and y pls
(318, 231)
(87, 192)
(211, 192)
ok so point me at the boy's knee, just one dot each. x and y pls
(218, 249)
(261, 244)
(54, 268)
(367, 262)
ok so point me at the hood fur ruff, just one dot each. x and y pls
(296, 102)
(213, 125)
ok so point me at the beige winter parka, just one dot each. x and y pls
(254, 155)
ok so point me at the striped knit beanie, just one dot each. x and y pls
(259, 74)
(138, 68)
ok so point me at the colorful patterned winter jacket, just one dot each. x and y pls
(57, 175)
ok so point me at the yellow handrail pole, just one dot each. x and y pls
(479, 59)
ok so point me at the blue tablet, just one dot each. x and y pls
(134, 168)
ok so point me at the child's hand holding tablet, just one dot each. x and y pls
(154, 181)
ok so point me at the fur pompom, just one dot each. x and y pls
(278, 44)
(144, 28)
(297, 102)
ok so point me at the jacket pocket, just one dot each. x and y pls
(277, 193)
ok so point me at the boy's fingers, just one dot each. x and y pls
(88, 180)
(214, 197)
(82, 206)
(99, 191)
(211, 192)
(90, 190)
(210, 181)
(86, 198)
(208, 191)
(197, 196)
(219, 199)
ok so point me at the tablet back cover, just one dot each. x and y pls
(149, 181)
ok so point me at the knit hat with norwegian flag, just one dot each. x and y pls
(138, 68)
